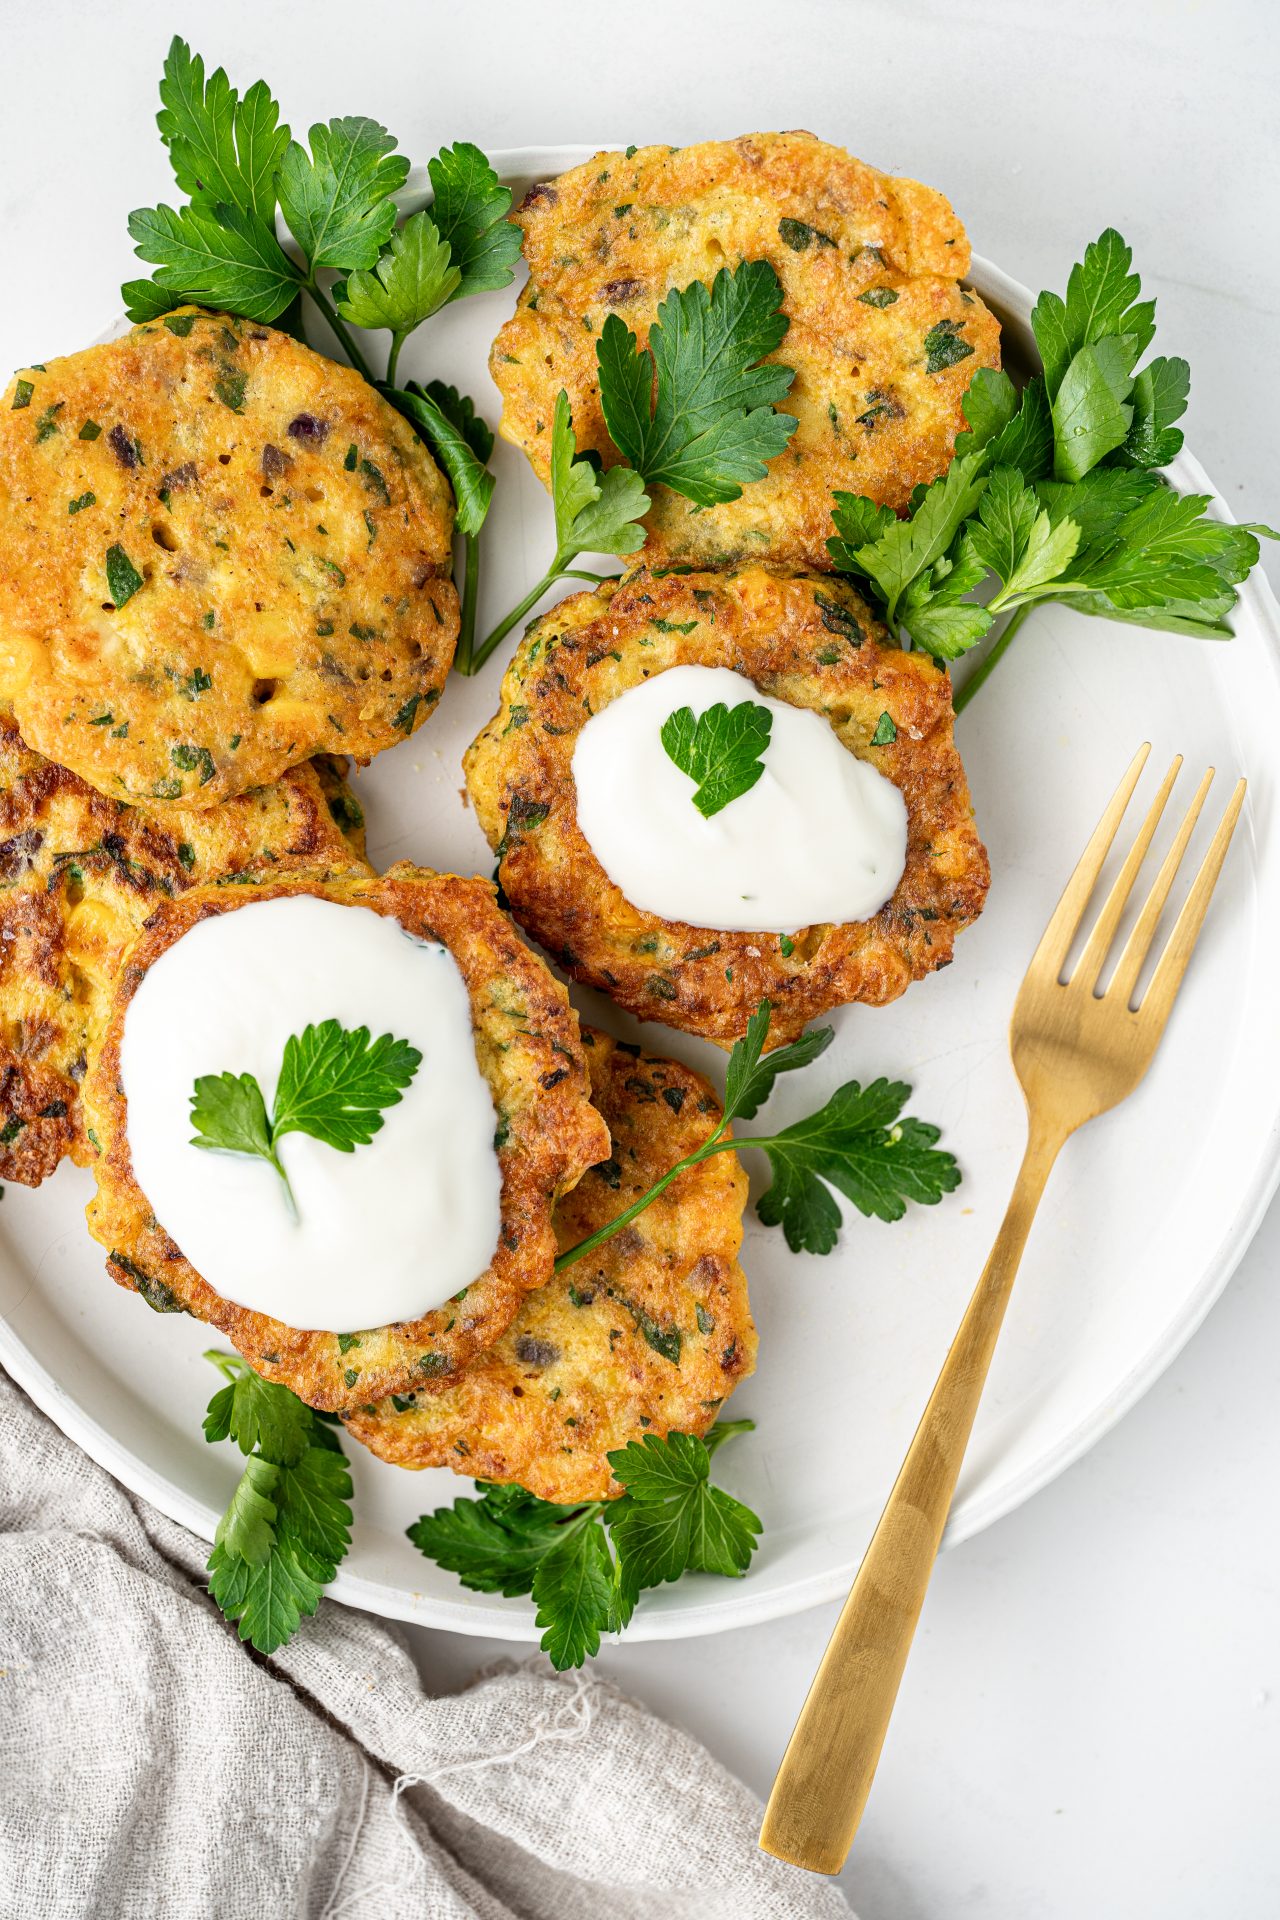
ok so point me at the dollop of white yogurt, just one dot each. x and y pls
(821, 836)
(382, 1234)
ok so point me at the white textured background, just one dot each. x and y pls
(1090, 1724)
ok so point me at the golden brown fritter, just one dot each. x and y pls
(648, 1335)
(287, 539)
(883, 339)
(79, 874)
(812, 642)
(529, 1051)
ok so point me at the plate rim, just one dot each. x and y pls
(476, 1616)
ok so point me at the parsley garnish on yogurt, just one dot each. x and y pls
(335, 1084)
(721, 750)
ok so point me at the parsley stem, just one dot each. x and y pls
(463, 660)
(716, 1144)
(964, 694)
(278, 1164)
(516, 615)
(339, 328)
(393, 357)
(556, 571)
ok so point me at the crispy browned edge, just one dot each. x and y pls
(789, 634)
(534, 1066)
(41, 1118)
(677, 1263)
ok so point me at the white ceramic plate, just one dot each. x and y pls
(1146, 1216)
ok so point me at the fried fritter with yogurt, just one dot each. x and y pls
(529, 1051)
(883, 338)
(811, 642)
(649, 1334)
(79, 876)
(220, 554)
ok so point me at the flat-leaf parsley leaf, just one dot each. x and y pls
(710, 426)
(224, 150)
(225, 257)
(470, 211)
(462, 442)
(858, 1144)
(448, 423)
(722, 750)
(256, 1413)
(673, 1518)
(585, 1566)
(412, 278)
(335, 1084)
(287, 1525)
(338, 198)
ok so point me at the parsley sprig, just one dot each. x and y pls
(722, 750)
(1055, 493)
(858, 1143)
(238, 165)
(287, 1526)
(335, 1084)
(596, 511)
(585, 1567)
(693, 410)
(462, 244)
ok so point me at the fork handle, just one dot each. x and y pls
(826, 1773)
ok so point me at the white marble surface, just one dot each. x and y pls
(1090, 1724)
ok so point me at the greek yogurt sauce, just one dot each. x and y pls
(821, 837)
(384, 1233)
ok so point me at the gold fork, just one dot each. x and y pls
(1076, 1052)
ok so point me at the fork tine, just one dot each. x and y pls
(1104, 930)
(1126, 974)
(1167, 978)
(1056, 940)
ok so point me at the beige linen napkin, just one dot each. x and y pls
(151, 1766)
